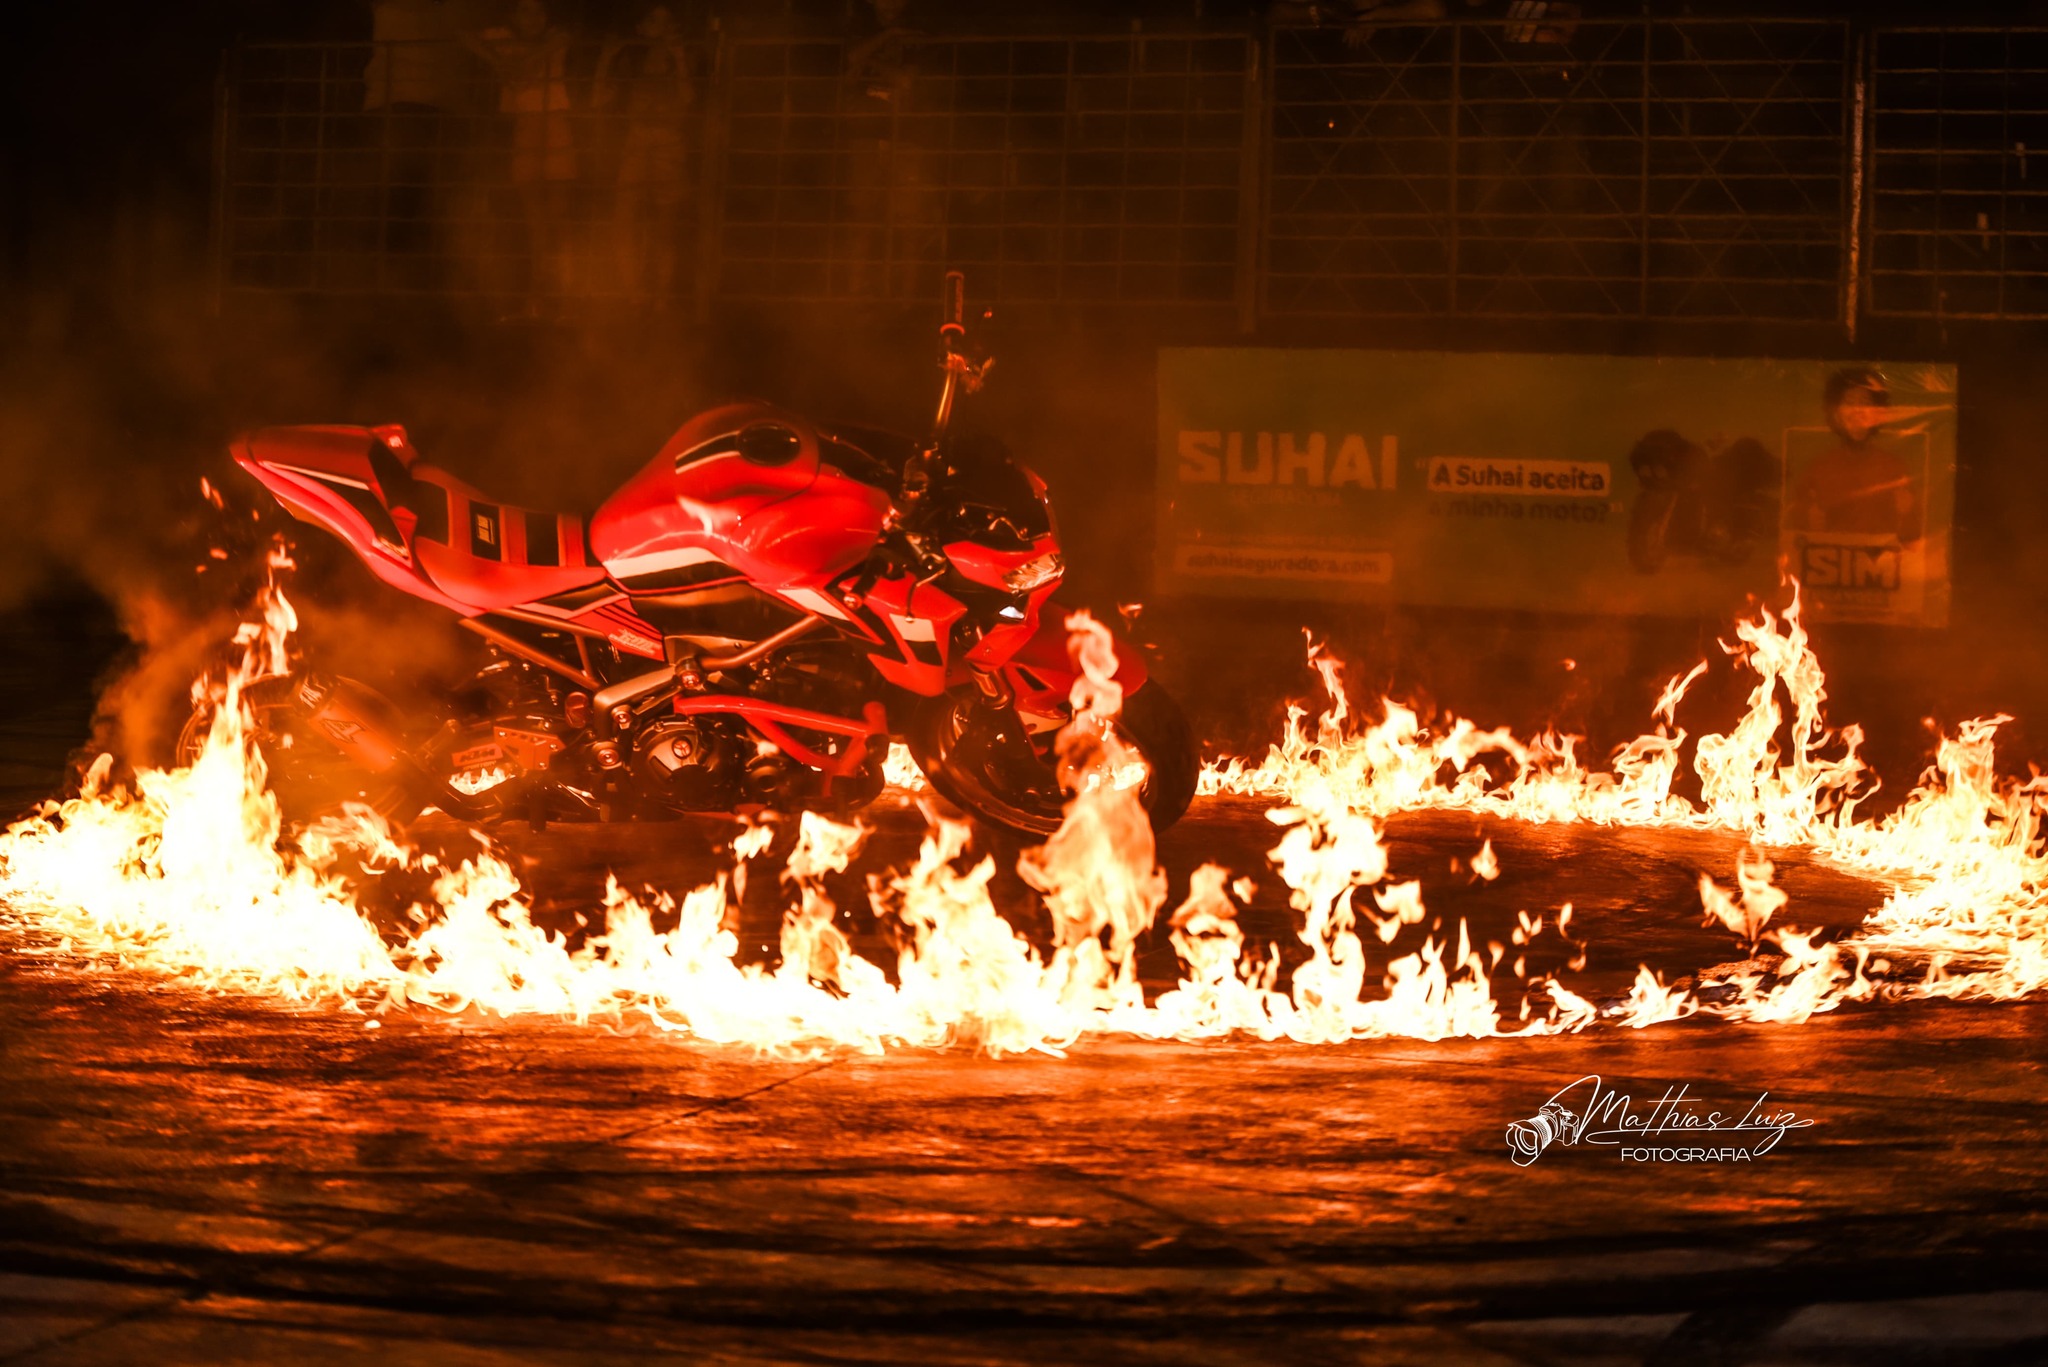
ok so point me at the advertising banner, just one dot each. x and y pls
(1557, 483)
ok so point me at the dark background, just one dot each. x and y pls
(123, 374)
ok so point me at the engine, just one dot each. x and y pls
(694, 766)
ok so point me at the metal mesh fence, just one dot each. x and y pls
(1058, 169)
(515, 171)
(1617, 169)
(1959, 182)
(1704, 170)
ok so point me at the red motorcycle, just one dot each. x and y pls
(747, 623)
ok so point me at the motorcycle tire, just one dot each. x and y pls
(972, 757)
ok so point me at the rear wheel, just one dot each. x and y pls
(979, 758)
(309, 777)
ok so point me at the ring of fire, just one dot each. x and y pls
(190, 874)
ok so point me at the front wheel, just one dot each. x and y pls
(980, 759)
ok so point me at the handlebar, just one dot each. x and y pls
(952, 332)
(953, 311)
(961, 373)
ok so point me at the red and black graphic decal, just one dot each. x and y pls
(543, 539)
(576, 600)
(683, 577)
(486, 536)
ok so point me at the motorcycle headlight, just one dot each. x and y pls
(1036, 573)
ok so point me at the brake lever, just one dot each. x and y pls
(974, 374)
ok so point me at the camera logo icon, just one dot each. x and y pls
(1527, 1139)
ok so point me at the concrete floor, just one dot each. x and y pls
(186, 1178)
(217, 1180)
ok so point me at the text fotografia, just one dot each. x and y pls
(1675, 1127)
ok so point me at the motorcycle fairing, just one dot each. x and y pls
(1041, 673)
(417, 527)
(990, 567)
(325, 476)
(913, 624)
(916, 622)
(741, 492)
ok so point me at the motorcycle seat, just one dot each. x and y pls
(466, 549)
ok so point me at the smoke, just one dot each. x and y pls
(115, 410)
(117, 398)
(112, 412)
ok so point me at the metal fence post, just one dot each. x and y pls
(1643, 179)
(1854, 277)
(1940, 183)
(382, 254)
(711, 141)
(1251, 196)
(223, 122)
(2006, 144)
(1452, 194)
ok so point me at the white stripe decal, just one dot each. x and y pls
(820, 603)
(627, 567)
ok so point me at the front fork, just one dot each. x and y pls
(996, 693)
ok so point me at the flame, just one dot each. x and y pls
(899, 768)
(187, 870)
(190, 873)
(1760, 899)
(474, 781)
(1097, 873)
(1218, 994)
(1963, 853)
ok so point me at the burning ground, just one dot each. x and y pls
(188, 874)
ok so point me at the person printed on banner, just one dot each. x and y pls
(1858, 486)
(1714, 501)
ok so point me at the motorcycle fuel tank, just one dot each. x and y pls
(740, 491)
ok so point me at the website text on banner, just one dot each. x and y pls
(1557, 483)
